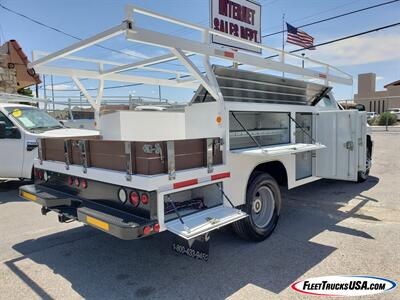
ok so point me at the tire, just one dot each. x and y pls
(263, 203)
(363, 176)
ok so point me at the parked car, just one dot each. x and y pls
(395, 111)
(371, 115)
(20, 127)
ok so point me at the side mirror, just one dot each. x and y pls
(2, 130)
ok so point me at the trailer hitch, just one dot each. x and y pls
(44, 210)
(64, 219)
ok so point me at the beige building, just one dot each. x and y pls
(377, 101)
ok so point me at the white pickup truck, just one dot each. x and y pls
(20, 127)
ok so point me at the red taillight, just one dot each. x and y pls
(77, 182)
(134, 198)
(156, 227)
(70, 180)
(144, 198)
(84, 183)
(146, 230)
(39, 174)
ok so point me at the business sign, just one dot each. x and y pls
(344, 285)
(239, 18)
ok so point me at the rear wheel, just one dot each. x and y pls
(363, 175)
(263, 202)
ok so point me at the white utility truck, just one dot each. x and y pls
(20, 127)
(269, 132)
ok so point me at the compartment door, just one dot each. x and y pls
(337, 130)
(204, 221)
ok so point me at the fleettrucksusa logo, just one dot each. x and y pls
(344, 285)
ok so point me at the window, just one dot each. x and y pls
(370, 105)
(383, 105)
(11, 131)
(374, 106)
(326, 103)
(6, 120)
(34, 119)
(379, 107)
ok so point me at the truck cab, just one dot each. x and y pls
(20, 127)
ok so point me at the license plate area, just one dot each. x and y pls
(197, 249)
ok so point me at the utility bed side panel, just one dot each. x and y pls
(145, 158)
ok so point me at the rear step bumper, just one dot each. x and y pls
(113, 221)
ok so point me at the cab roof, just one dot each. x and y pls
(14, 105)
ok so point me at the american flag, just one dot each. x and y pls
(299, 38)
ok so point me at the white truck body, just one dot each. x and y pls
(294, 130)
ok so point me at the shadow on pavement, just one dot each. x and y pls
(9, 190)
(100, 266)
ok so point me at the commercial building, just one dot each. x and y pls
(373, 100)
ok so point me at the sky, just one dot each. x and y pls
(377, 52)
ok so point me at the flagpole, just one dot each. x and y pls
(283, 40)
(283, 32)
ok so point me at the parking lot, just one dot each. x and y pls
(326, 228)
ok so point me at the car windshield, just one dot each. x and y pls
(33, 119)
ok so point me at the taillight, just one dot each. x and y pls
(134, 198)
(144, 198)
(70, 180)
(156, 227)
(77, 181)
(146, 230)
(39, 174)
(84, 183)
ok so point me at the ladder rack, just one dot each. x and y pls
(16, 98)
(181, 49)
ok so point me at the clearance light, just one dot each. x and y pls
(218, 120)
(146, 230)
(77, 181)
(122, 196)
(45, 176)
(144, 198)
(134, 198)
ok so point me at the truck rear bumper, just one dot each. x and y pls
(113, 221)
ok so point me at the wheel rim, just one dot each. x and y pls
(364, 174)
(263, 206)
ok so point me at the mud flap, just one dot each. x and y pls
(197, 248)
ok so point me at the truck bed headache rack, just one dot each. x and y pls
(218, 85)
